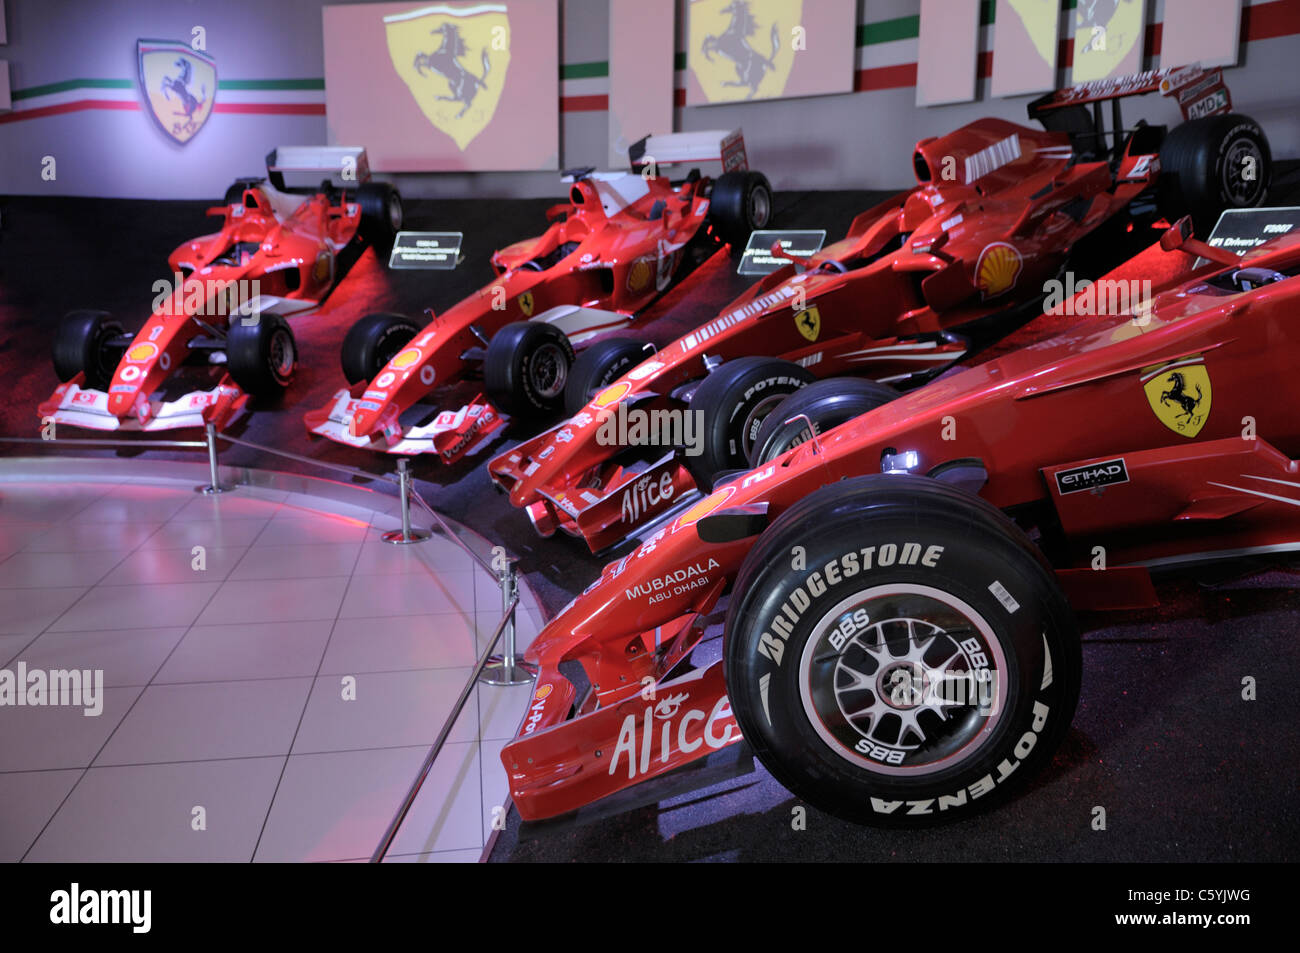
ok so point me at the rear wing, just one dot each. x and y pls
(1200, 92)
(348, 164)
(681, 148)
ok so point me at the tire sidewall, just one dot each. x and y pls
(1246, 129)
(737, 430)
(1033, 718)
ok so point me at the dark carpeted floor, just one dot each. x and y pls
(1184, 768)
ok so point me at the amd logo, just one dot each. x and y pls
(1092, 476)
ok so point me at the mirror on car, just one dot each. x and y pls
(1177, 234)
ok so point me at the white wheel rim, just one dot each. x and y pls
(930, 693)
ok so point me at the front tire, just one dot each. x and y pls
(825, 404)
(599, 366)
(372, 342)
(527, 367)
(922, 664)
(83, 343)
(732, 403)
(262, 355)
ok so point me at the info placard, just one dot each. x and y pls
(434, 251)
(758, 258)
(1238, 230)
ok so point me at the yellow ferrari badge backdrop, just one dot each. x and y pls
(1106, 33)
(179, 84)
(453, 58)
(526, 303)
(1179, 393)
(809, 323)
(1039, 18)
(742, 49)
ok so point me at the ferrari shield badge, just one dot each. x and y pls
(809, 323)
(741, 49)
(526, 303)
(453, 58)
(179, 84)
(1179, 393)
(1105, 34)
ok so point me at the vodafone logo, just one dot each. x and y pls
(129, 373)
(384, 379)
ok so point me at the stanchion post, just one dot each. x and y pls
(508, 668)
(406, 534)
(214, 477)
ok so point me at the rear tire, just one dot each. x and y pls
(261, 356)
(1202, 167)
(381, 213)
(235, 194)
(599, 366)
(739, 203)
(372, 342)
(733, 401)
(922, 665)
(826, 403)
(527, 367)
(82, 344)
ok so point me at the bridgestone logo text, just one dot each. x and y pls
(772, 642)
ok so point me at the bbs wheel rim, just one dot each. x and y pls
(282, 355)
(760, 207)
(1240, 191)
(754, 422)
(548, 371)
(903, 680)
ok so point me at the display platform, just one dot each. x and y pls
(273, 671)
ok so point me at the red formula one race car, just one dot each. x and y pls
(223, 314)
(900, 646)
(614, 247)
(996, 214)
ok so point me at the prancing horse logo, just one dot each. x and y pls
(751, 65)
(179, 84)
(1180, 394)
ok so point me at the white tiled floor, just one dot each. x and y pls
(269, 701)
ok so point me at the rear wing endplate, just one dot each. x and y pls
(1200, 92)
(681, 148)
(347, 164)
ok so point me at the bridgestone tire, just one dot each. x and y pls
(826, 404)
(261, 356)
(381, 213)
(739, 203)
(1202, 163)
(599, 366)
(816, 658)
(82, 343)
(372, 342)
(527, 367)
(732, 403)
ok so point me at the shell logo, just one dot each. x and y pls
(612, 394)
(404, 360)
(542, 693)
(321, 270)
(706, 506)
(142, 352)
(639, 275)
(997, 269)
